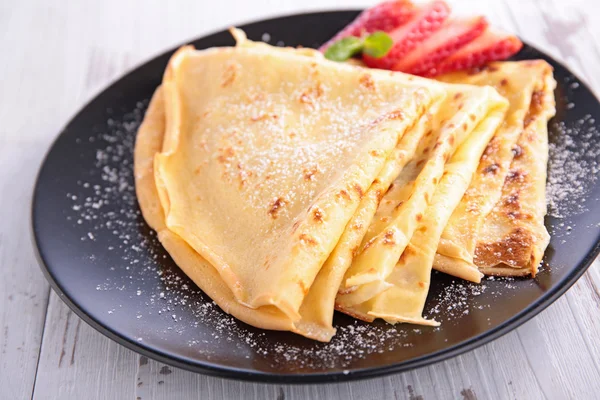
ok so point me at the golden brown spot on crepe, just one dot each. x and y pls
(465, 126)
(517, 151)
(243, 174)
(267, 262)
(397, 206)
(536, 106)
(426, 197)
(504, 82)
(515, 176)
(419, 217)
(460, 106)
(385, 220)
(343, 194)
(458, 95)
(451, 140)
(472, 117)
(197, 170)
(276, 206)
(375, 153)
(426, 150)
(376, 181)
(292, 134)
(310, 95)
(422, 229)
(309, 173)
(512, 250)
(388, 238)
(446, 156)
(512, 200)
(307, 239)
(435, 180)
(487, 67)
(357, 226)
(420, 163)
(229, 75)
(367, 81)
(422, 285)
(225, 154)
(429, 132)
(359, 190)
(369, 244)
(317, 214)
(354, 251)
(302, 287)
(379, 194)
(491, 169)
(408, 251)
(295, 226)
(262, 116)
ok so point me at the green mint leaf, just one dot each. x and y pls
(377, 44)
(344, 49)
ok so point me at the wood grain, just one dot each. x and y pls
(62, 53)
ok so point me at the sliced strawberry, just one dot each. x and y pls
(385, 17)
(453, 35)
(489, 46)
(428, 19)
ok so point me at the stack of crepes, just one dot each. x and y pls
(286, 185)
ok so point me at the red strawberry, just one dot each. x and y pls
(490, 46)
(385, 17)
(440, 45)
(428, 19)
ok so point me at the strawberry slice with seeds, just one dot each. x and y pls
(453, 35)
(385, 17)
(428, 19)
(489, 46)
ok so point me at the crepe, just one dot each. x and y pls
(266, 156)
(405, 202)
(519, 82)
(514, 238)
(149, 141)
(407, 285)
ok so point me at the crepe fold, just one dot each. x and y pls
(489, 232)
(397, 253)
(252, 160)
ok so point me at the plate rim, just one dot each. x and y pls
(251, 375)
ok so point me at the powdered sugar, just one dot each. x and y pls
(574, 165)
(167, 308)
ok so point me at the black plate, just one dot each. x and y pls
(106, 264)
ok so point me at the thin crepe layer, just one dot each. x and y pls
(149, 141)
(517, 82)
(514, 238)
(318, 306)
(409, 281)
(321, 196)
(406, 200)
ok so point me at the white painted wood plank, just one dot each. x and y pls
(77, 362)
(23, 290)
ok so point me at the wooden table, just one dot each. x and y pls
(57, 55)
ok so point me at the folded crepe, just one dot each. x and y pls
(524, 84)
(406, 286)
(252, 160)
(403, 206)
(514, 238)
